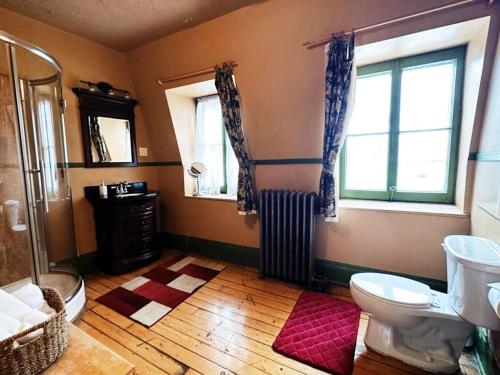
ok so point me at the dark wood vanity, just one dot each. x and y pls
(126, 227)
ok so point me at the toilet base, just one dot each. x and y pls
(386, 340)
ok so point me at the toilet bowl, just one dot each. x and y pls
(424, 327)
(410, 321)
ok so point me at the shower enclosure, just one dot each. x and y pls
(36, 220)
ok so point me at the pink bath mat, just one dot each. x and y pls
(321, 331)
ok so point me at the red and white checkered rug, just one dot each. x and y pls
(149, 297)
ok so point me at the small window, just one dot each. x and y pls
(213, 149)
(402, 139)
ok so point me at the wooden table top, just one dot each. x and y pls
(87, 356)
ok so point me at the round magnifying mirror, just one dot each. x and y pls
(197, 170)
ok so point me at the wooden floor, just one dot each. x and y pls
(226, 327)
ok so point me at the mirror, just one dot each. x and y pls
(110, 140)
(197, 170)
(108, 130)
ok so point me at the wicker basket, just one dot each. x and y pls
(39, 353)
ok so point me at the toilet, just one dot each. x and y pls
(426, 328)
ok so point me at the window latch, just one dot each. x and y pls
(392, 190)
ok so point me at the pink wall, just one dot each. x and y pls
(281, 85)
(82, 59)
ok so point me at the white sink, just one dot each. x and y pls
(130, 195)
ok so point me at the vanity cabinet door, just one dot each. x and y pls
(127, 235)
(137, 227)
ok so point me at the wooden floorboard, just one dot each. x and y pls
(226, 327)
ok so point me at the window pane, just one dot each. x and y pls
(366, 162)
(209, 146)
(423, 161)
(427, 96)
(372, 104)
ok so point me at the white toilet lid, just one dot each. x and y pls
(393, 289)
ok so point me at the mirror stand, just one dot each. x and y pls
(197, 170)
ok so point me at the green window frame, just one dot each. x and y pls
(396, 67)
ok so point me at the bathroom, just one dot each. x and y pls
(281, 83)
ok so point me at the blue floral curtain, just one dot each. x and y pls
(339, 72)
(230, 103)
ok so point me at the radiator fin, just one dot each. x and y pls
(287, 235)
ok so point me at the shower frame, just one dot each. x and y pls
(33, 182)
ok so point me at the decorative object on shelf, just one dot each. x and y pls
(106, 88)
(108, 127)
(197, 170)
(126, 225)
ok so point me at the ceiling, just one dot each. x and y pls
(124, 24)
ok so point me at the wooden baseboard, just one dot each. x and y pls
(336, 272)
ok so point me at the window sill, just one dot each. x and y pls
(403, 207)
(218, 197)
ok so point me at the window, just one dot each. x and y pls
(47, 143)
(402, 139)
(214, 149)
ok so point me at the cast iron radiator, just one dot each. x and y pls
(287, 235)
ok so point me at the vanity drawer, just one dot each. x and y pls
(136, 209)
(126, 233)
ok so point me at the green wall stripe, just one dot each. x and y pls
(139, 164)
(71, 165)
(492, 156)
(160, 163)
(179, 163)
(287, 161)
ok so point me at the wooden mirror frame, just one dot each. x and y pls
(102, 105)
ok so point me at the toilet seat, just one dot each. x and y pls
(393, 289)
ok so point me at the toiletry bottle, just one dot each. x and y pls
(103, 190)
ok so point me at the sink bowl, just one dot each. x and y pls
(129, 195)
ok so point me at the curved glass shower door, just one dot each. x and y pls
(41, 152)
(16, 263)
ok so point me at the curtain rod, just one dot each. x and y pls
(196, 73)
(310, 44)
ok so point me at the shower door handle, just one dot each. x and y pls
(44, 187)
(41, 186)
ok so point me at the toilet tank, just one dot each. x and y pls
(472, 263)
